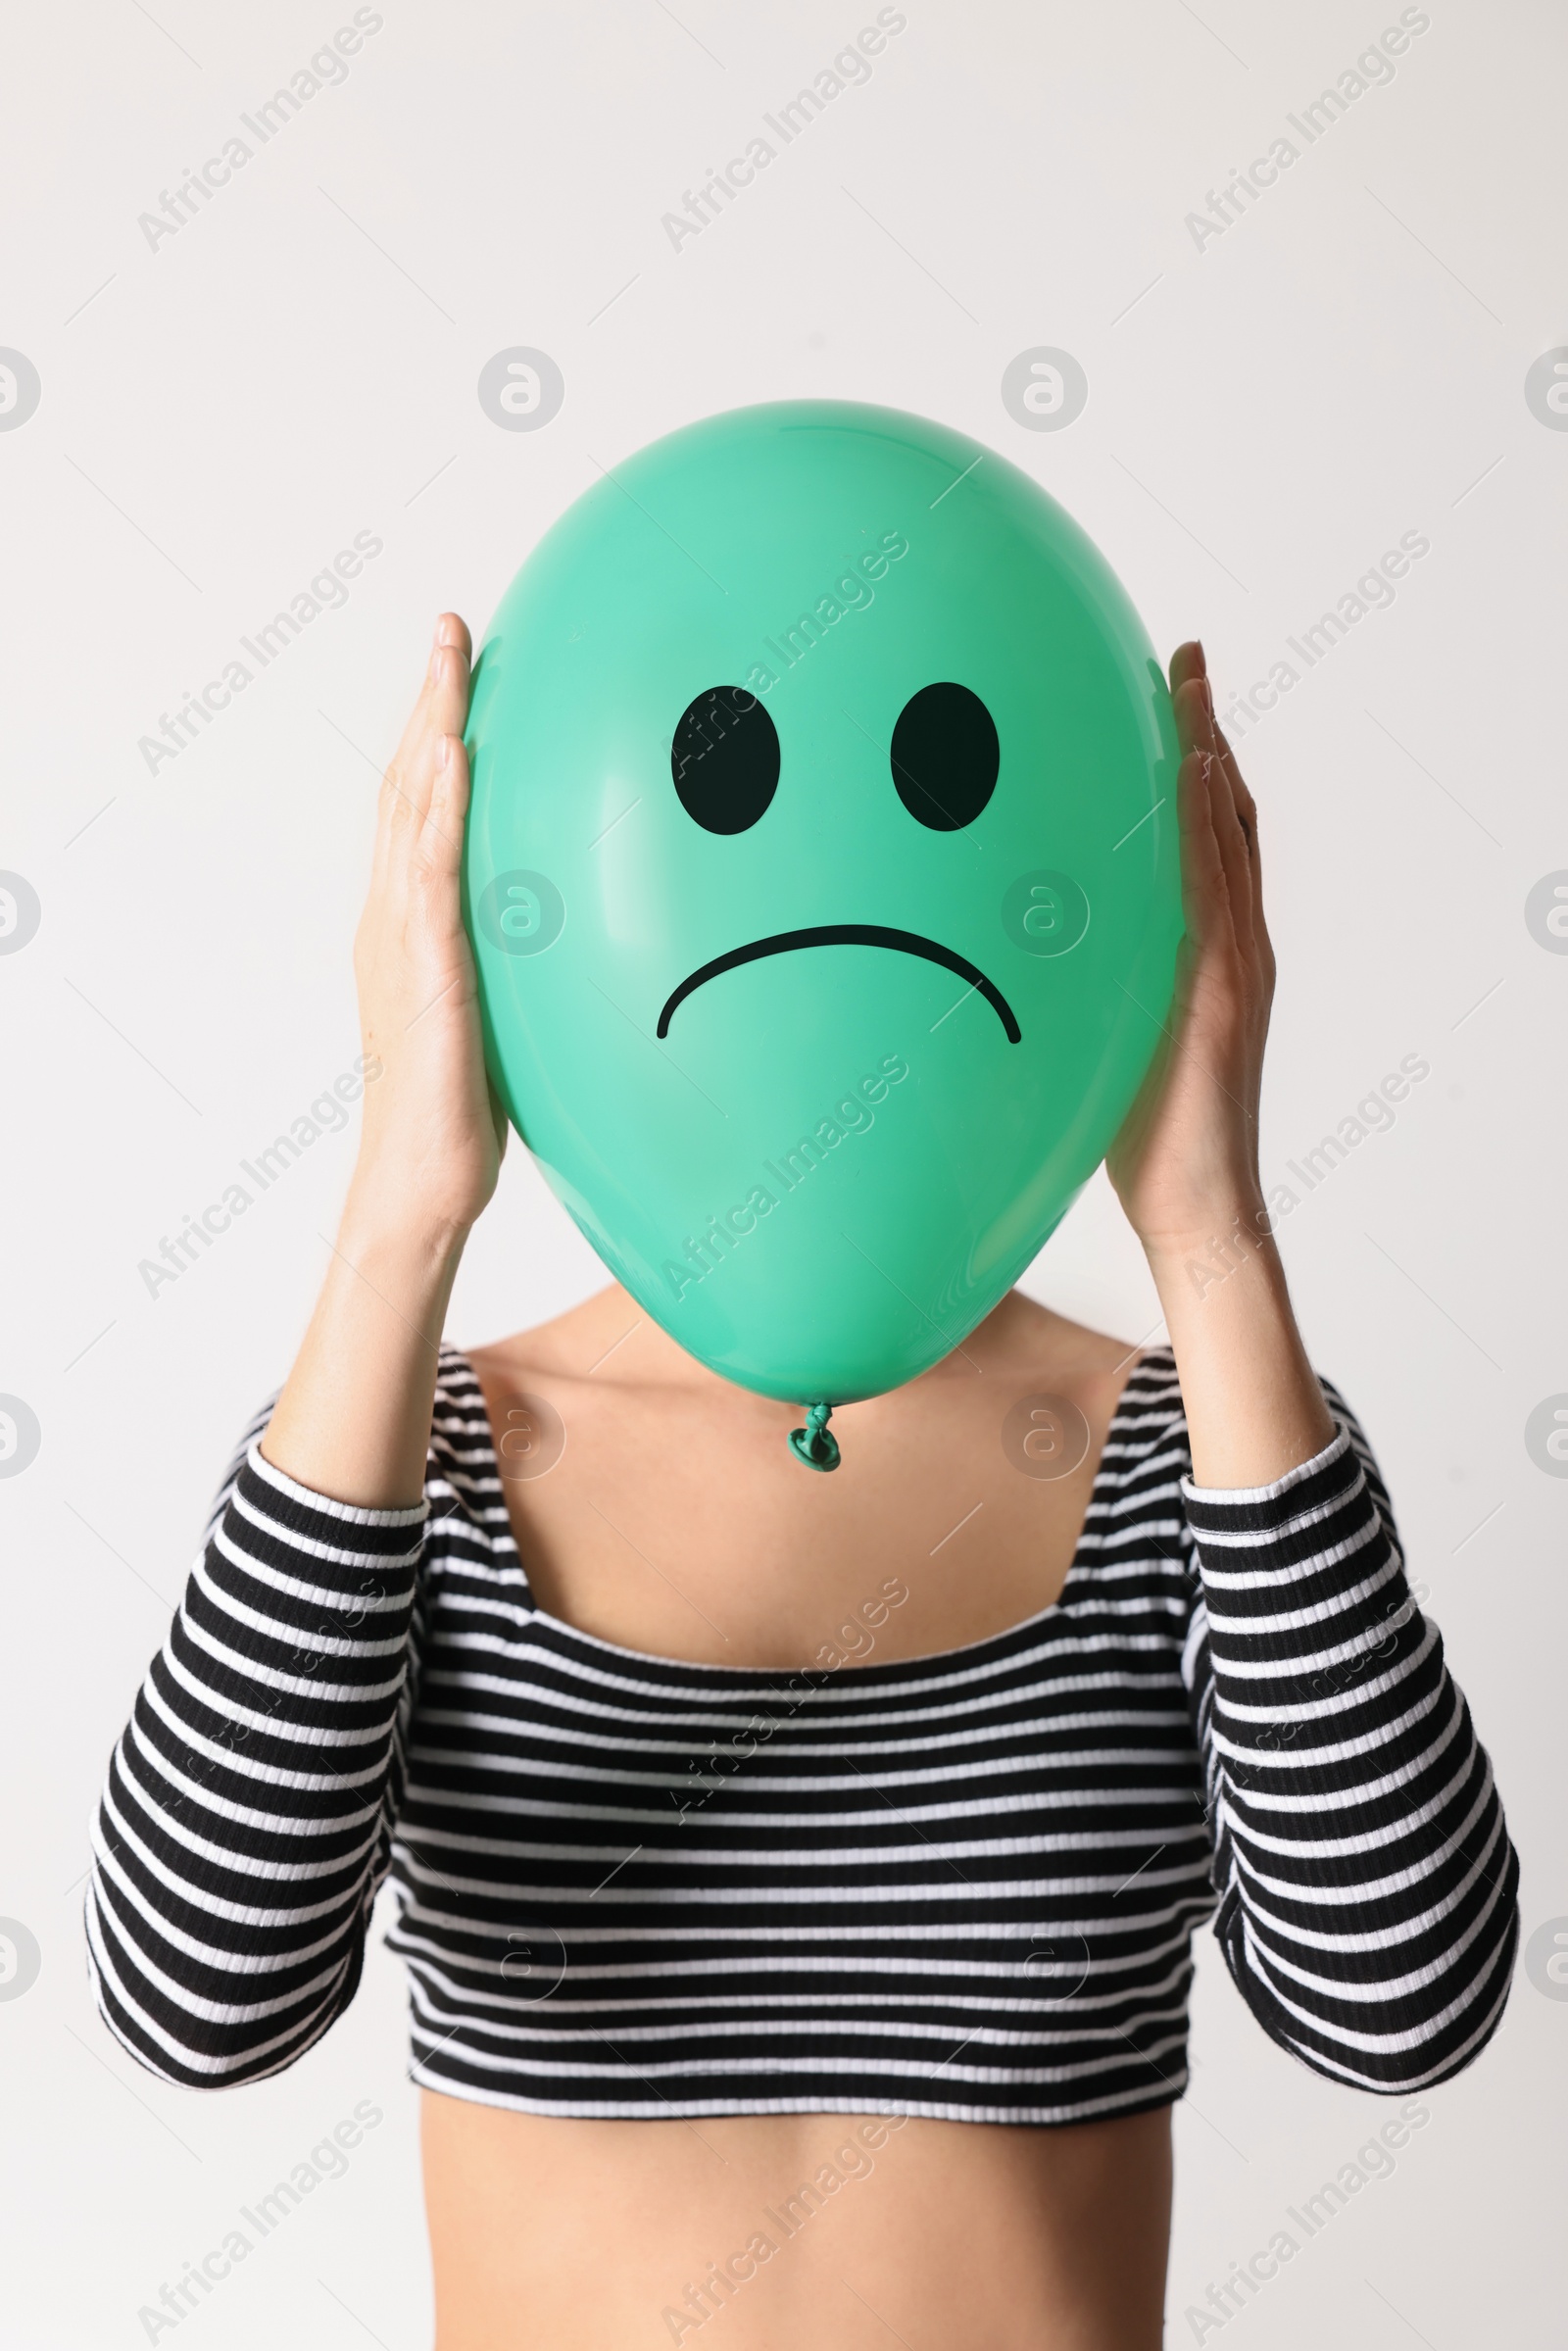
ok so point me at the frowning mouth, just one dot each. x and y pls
(846, 934)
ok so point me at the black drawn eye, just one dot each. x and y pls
(946, 757)
(724, 760)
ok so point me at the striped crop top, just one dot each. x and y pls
(960, 1885)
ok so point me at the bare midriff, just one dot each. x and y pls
(795, 2232)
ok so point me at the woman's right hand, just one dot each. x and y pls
(433, 1133)
(353, 1420)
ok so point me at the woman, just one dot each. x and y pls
(797, 1874)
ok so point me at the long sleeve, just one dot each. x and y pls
(245, 1825)
(1367, 1886)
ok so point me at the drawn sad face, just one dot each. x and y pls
(725, 761)
(821, 879)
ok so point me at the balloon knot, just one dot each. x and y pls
(815, 1445)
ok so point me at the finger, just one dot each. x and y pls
(394, 810)
(418, 723)
(1185, 663)
(1193, 712)
(442, 705)
(450, 636)
(432, 902)
(403, 801)
(451, 679)
(1236, 827)
(1246, 804)
(1194, 703)
(440, 843)
(1206, 909)
(1187, 669)
(1247, 816)
(1234, 846)
(450, 691)
(1235, 861)
(1230, 833)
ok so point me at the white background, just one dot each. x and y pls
(1265, 415)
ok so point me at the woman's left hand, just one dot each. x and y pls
(1185, 1163)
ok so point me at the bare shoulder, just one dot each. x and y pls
(570, 1347)
(1021, 1336)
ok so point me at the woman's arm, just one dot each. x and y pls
(1368, 1889)
(353, 1419)
(246, 1823)
(1185, 1165)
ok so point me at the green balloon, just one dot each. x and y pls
(823, 882)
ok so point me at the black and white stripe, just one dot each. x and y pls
(962, 1886)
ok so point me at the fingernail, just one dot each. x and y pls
(443, 752)
(435, 659)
